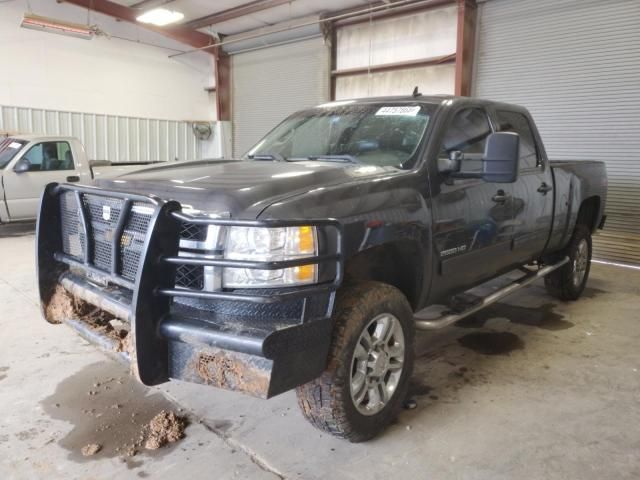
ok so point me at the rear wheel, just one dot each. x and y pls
(569, 281)
(370, 363)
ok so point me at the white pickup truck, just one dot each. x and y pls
(29, 162)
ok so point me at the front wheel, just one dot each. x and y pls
(370, 364)
(569, 281)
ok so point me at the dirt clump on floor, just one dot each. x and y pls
(91, 449)
(165, 427)
(118, 415)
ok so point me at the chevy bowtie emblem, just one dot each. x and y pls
(106, 212)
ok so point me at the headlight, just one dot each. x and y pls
(270, 244)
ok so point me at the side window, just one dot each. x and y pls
(50, 156)
(65, 156)
(467, 132)
(518, 123)
(34, 155)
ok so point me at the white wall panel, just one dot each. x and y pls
(419, 36)
(428, 34)
(111, 76)
(438, 79)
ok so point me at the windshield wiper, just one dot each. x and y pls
(339, 158)
(267, 156)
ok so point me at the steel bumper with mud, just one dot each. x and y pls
(111, 265)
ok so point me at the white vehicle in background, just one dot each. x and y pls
(29, 162)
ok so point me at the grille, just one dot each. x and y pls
(191, 231)
(102, 215)
(72, 234)
(190, 276)
(132, 241)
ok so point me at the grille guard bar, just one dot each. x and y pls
(299, 292)
(154, 285)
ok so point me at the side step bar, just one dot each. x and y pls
(450, 318)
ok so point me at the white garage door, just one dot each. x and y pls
(271, 83)
(576, 65)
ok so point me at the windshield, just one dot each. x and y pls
(8, 149)
(375, 134)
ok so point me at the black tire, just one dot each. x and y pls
(562, 283)
(327, 402)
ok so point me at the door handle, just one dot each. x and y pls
(499, 197)
(544, 188)
(73, 178)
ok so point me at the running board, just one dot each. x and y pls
(450, 318)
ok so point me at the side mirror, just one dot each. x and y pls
(501, 158)
(451, 163)
(22, 165)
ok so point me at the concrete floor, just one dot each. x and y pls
(532, 388)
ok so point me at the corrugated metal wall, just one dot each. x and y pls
(108, 137)
(574, 64)
(271, 83)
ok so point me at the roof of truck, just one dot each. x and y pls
(431, 99)
(45, 138)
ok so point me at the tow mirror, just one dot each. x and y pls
(22, 165)
(501, 156)
(451, 163)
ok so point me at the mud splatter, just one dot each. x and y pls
(541, 317)
(492, 343)
(3, 375)
(115, 416)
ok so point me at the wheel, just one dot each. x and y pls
(370, 364)
(568, 282)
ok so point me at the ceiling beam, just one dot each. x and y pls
(178, 33)
(234, 12)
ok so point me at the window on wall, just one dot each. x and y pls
(392, 56)
(518, 123)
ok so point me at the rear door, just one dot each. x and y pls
(49, 162)
(532, 194)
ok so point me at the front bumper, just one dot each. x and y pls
(262, 342)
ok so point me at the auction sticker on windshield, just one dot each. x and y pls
(15, 145)
(399, 110)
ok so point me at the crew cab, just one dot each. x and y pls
(311, 262)
(29, 162)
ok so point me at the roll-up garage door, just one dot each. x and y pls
(270, 83)
(576, 65)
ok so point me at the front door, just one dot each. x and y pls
(473, 218)
(48, 162)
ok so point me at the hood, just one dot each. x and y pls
(242, 189)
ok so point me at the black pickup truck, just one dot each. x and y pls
(309, 263)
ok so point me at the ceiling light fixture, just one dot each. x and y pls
(160, 17)
(51, 25)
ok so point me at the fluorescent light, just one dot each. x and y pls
(160, 17)
(45, 24)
